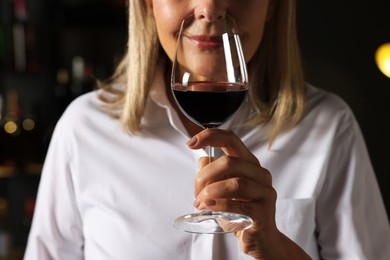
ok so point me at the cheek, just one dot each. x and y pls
(252, 42)
(250, 18)
(168, 23)
(167, 40)
(252, 35)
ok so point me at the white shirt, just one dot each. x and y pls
(107, 195)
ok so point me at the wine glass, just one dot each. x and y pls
(209, 83)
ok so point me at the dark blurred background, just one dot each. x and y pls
(50, 51)
(339, 40)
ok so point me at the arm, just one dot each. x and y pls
(56, 228)
(351, 218)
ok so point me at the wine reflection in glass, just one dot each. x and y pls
(209, 82)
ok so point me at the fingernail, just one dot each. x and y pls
(196, 203)
(210, 203)
(192, 141)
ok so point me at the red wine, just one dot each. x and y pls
(209, 104)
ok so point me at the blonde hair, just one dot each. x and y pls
(277, 84)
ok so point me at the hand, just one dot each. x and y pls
(236, 182)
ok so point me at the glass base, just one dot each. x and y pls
(211, 222)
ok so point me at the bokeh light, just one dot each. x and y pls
(382, 58)
(28, 124)
(10, 127)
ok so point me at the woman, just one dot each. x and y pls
(294, 157)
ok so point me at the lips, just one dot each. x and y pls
(206, 41)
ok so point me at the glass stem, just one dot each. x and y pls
(210, 151)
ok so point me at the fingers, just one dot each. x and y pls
(234, 182)
(259, 211)
(234, 191)
(229, 143)
(244, 208)
(230, 168)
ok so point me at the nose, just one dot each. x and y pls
(209, 16)
(210, 10)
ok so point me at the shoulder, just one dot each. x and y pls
(325, 103)
(328, 111)
(84, 107)
(317, 97)
(82, 104)
(84, 115)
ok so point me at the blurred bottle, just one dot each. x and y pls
(25, 58)
(2, 140)
(21, 145)
(10, 130)
(82, 76)
(1, 107)
(19, 37)
(29, 206)
(78, 66)
(11, 120)
(5, 233)
(62, 80)
(2, 47)
(62, 90)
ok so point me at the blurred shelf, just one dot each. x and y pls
(30, 169)
(53, 35)
(7, 171)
